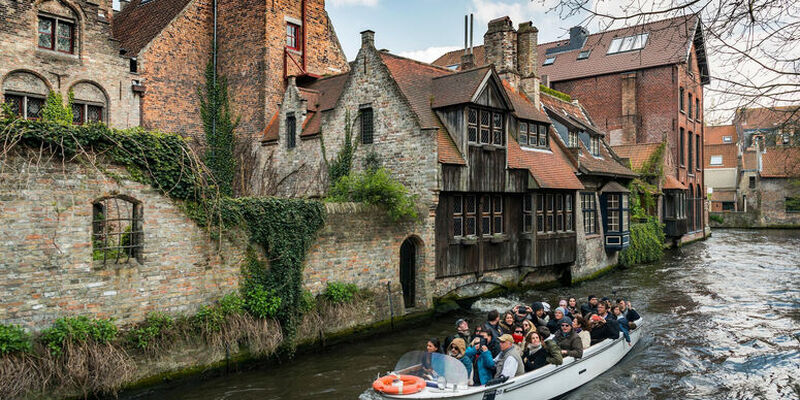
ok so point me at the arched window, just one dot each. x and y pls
(25, 93)
(116, 229)
(56, 27)
(89, 105)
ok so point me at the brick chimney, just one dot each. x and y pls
(527, 60)
(500, 45)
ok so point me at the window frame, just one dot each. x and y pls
(134, 230)
(85, 111)
(488, 208)
(367, 125)
(55, 33)
(690, 158)
(682, 152)
(618, 213)
(572, 139)
(23, 106)
(689, 106)
(539, 132)
(549, 61)
(554, 213)
(527, 213)
(718, 158)
(682, 99)
(495, 135)
(594, 146)
(589, 212)
(291, 131)
(584, 54)
(293, 33)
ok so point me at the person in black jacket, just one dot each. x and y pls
(602, 329)
(539, 351)
(590, 308)
(462, 331)
(628, 311)
(493, 342)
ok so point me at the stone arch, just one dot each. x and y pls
(410, 270)
(117, 229)
(25, 91)
(66, 9)
(91, 102)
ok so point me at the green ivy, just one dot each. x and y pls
(14, 339)
(644, 189)
(376, 187)
(219, 125)
(155, 327)
(77, 330)
(211, 318)
(647, 243)
(716, 218)
(338, 292)
(55, 111)
(285, 229)
(341, 166)
(555, 93)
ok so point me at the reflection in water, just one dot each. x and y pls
(723, 323)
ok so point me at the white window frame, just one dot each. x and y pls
(715, 160)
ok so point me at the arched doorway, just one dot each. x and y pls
(408, 271)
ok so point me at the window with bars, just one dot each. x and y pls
(83, 113)
(292, 36)
(485, 126)
(56, 34)
(540, 213)
(291, 131)
(589, 208)
(25, 106)
(117, 230)
(533, 135)
(367, 127)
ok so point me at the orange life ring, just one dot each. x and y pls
(399, 384)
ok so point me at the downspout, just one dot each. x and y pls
(214, 73)
(303, 32)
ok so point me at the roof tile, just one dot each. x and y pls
(137, 24)
(637, 153)
(550, 169)
(781, 162)
(714, 134)
(727, 151)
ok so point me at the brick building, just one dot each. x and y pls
(498, 184)
(722, 165)
(260, 44)
(642, 84)
(63, 46)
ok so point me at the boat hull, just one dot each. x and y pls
(545, 383)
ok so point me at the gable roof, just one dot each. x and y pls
(459, 87)
(638, 154)
(550, 169)
(523, 106)
(781, 162)
(727, 151)
(413, 78)
(571, 110)
(767, 118)
(139, 23)
(447, 150)
(714, 134)
(669, 42)
(670, 183)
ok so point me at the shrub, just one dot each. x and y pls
(77, 330)
(13, 339)
(376, 187)
(156, 327)
(307, 302)
(647, 243)
(55, 111)
(337, 292)
(261, 302)
(716, 218)
(211, 318)
(555, 93)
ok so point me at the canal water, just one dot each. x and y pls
(723, 323)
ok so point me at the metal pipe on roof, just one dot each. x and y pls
(466, 30)
(471, 31)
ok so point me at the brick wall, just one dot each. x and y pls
(172, 67)
(46, 266)
(25, 68)
(773, 195)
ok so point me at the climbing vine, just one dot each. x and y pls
(341, 166)
(645, 187)
(219, 124)
(647, 243)
(55, 111)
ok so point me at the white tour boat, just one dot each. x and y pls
(544, 383)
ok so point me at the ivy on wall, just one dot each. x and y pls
(645, 187)
(219, 124)
(647, 243)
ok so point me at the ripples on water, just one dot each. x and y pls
(723, 323)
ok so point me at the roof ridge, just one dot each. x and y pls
(424, 64)
(686, 17)
(454, 73)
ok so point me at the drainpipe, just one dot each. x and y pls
(214, 73)
(303, 31)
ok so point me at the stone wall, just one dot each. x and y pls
(773, 194)
(26, 69)
(46, 257)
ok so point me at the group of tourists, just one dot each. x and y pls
(526, 338)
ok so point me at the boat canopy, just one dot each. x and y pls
(432, 366)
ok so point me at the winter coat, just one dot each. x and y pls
(457, 335)
(505, 329)
(631, 315)
(608, 330)
(586, 339)
(586, 309)
(571, 343)
(484, 365)
(549, 353)
(553, 325)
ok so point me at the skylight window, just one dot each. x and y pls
(584, 54)
(716, 160)
(549, 60)
(628, 43)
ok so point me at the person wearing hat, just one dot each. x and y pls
(508, 363)
(540, 351)
(462, 331)
(590, 308)
(568, 340)
(559, 313)
(457, 349)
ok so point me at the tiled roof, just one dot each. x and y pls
(603, 165)
(572, 110)
(749, 160)
(673, 184)
(723, 195)
(328, 90)
(414, 80)
(271, 131)
(714, 134)
(457, 88)
(727, 151)
(523, 106)
(667, 43)
(447, 150)
(781, 162)
(767, 118)
(137, 24)
(637, 153)
(550, 169)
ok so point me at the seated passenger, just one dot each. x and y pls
(431, 365)
(572, 306)
(527, 327)
(462, 331)
(557, 314)
(458, 350)
(522, 313)
(507, 323)
(590, 308)
(493, 323)
(623, 323)
(519, 338)
(568, 340)
(539, 351)
(602, 310)
(538, 317)
(601, 329)
(630, 314)
(582, 329)
(492, 343)
(484, 362)
(508, 363)
(563, 305)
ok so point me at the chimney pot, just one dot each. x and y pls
(367, 39)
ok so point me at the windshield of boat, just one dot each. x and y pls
(432, 367)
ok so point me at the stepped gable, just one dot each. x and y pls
(139, 23)
(637, 153)
(550, 169)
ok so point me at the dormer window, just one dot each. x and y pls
(584, 54)
(573, 139)
(532, 134)
(485, 126)
(727, 139)
(549, 60)
(56, 34)
(594, 147)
